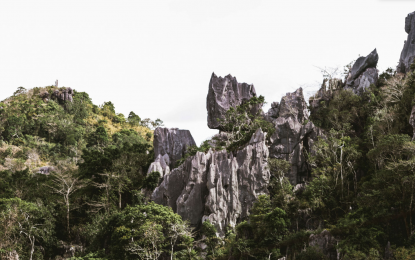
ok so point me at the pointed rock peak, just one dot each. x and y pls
(223, 94)
(409, 22)
(363, 63)
(294, 105)
(408, 51)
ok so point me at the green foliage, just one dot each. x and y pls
(133, 119)
(24, 227)
(151, 181)
(311, 253)
(93, 149)
(140, 231)
(241, 123)
(260, 236)
(192, 150)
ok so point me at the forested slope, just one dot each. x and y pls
(334, 180)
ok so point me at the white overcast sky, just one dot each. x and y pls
(156, 57)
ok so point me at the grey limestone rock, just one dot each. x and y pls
(389, 252)
(293, 135)
(326, 242)
(363, 73)
(408, 51)
(217, 186)
(171, 145)
(273, 112)
(325, 93)
(223, 94)
(45, 170)
(44, 95)
(64, 95)
(160, 164)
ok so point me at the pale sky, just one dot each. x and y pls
(156, 57)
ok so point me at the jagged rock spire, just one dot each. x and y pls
(408, 51)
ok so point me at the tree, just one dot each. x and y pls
(99, 137)
(143, 230)
(241, 122)
(65, 183)
(133, 119)
(20, 219)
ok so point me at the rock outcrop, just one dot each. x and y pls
(45, 170)
(293, 135)
(408, 51)
(217, 186)
(170, 145)
(325, 93)
(363, 73)
(223, 94)
(65, 94)
(326, 243)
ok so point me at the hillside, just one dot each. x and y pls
(331, 179)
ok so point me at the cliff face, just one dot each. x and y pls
(170, 145)
(220, 186)
(217, 186)
(408, 51)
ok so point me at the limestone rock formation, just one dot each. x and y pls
(326, 243)
(325, 93)
(363, 73)
(45, 170)
(294, 134)
(223, 94)
(408, 51)
(170, 145)
(64, 94)
(217, 186)
(44, 95)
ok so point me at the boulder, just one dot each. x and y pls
(45, 170)
(223, 94)
(217, 186)
(363, 73)
(326, 243)
(408, 51)
(170, 145)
